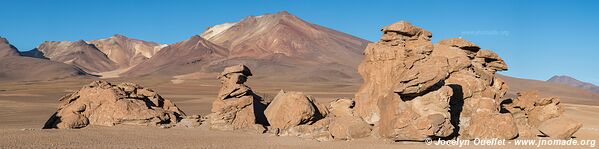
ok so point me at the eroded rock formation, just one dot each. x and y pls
(104, 104)
(236, 106)
(415, 90)
(533, 113)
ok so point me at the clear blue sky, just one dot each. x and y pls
(537, 39)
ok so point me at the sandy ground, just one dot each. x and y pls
(25, 106)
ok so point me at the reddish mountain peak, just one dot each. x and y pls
(190, 55)
(6, 49)
(283, 33)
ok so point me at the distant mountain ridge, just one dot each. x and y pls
(97, 56)
(570, 81)
(14, 66)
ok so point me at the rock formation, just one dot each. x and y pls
(104, 104)
(236, 106)
(415, 90)
(337, 121)
(533, 113)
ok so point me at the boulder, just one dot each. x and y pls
(289, 109)
(348, 128)
(416, 119)
(318, 130)
(560, 128)
(488, 123)
(104, 104)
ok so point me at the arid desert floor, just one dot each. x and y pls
(25, 106)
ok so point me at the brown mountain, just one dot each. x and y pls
(7, 49)
(191, 55)
(80, 53)
(567, 80)
(289, 47)
(126, 52)
(15, 67)
(566, 93)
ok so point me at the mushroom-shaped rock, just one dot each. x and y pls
(104, 104)
(237, 106)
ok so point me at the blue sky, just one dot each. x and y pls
(537, 39)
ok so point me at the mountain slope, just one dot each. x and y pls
(191, 55)
(6, 49)
(80, 53)
(567, 80)
(15, 67)
(566, 93)
(126, 52)
(288, 46)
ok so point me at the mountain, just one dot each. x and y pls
(81, 54)
(566, 93)
(286, 45)
(567, 80)
(106, 57)
(35, 53)
(13, 66)
(6, 49)
(191, 55)
(126, 52)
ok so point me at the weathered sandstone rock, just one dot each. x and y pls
(414, 90)
(104, 104)
(236, 107)
(533, 113)
(559, 128)
(289, 109)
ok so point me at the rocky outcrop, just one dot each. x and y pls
(533, 113)
(414, 90)
(236, 106)
(105, 104)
